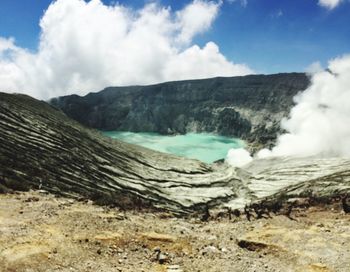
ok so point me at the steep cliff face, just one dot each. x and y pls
(248, 107)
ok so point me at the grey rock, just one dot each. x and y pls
(162, 258)
(174, 268)
(209, 250)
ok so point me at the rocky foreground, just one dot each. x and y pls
(41, 232)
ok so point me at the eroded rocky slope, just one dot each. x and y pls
(249, 107)
(41, 148)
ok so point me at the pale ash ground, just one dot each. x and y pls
(39, 232)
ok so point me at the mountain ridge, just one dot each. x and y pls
(42, 148)
(249, 107)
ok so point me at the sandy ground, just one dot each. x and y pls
(40, 232)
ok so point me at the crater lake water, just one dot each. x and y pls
(202, 146)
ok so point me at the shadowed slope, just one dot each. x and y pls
(41, 147)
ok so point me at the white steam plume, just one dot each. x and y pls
(238, 157)
(319, 124)
(86, 46)
(314, 68)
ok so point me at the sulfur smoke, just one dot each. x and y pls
(319, 123)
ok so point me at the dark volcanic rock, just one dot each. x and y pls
(250, 107)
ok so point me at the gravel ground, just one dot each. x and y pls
(41, 232)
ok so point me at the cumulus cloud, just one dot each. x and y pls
(277, 14)
(86, 46)
(244, 3)
(329, 4)
(9, 71)
(205, 60)
(196, 18)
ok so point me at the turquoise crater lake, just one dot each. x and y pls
(202, 146)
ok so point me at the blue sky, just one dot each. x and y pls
(270, 36)
(83, 46)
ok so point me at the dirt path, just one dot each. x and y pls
(39, 232)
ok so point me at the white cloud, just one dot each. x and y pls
(330, 4)
(6, 45)
(244, 3)
(9, 71)
(86, 46)
(276, 14)
(205, 60)
(196, 18)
